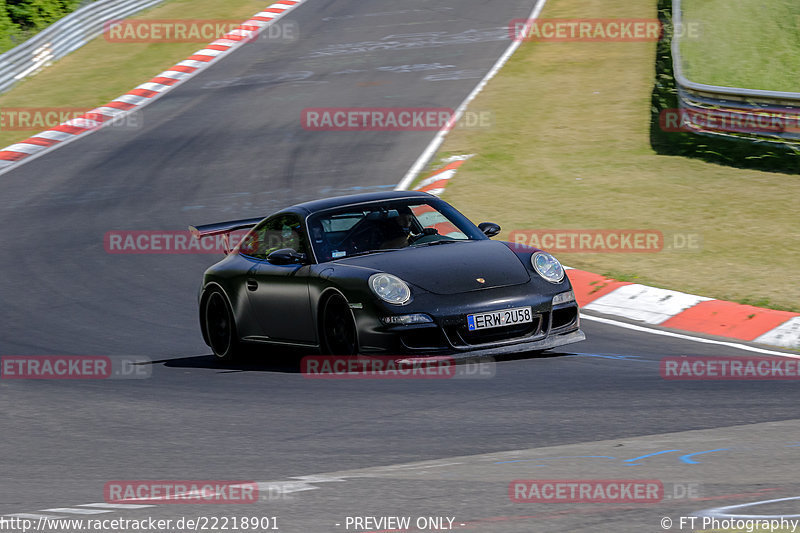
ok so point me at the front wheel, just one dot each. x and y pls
(220, 327)
(338, 328)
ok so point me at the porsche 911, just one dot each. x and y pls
(394, 273)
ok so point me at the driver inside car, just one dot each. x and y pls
(397, 233)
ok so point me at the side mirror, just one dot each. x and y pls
(286, 256)
(490, 229)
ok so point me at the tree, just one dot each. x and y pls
(8, 30)
(38, 14)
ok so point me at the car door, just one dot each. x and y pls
(279, 294)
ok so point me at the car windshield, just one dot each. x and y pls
(387, 226)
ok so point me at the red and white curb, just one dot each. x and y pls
(436, 182)
(145, 93)
(685, 312)
(662, 307)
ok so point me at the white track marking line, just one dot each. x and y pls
(70, 510)
(722, 512)
(34, 516)
(686, 337)
(437, 141)
(121, 506)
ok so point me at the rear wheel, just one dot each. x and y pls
(338, 328)
(220, 326)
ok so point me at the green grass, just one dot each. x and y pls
(747, 43)
(101, 71)
(570, 148)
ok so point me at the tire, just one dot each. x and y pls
(220, 326)
(339, 335)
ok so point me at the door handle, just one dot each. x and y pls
(251, 284)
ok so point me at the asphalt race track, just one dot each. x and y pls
(229, 144)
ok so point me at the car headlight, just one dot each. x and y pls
(390, 289)
(564, 298)
(405, 320)
(548, 267)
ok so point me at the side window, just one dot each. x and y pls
(280, 231)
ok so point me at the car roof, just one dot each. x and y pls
(343, 201)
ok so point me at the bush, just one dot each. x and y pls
(21, 19)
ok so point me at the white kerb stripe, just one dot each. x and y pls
(130, 99)
(209, 52)
(24, 148)
(54, 135)
(645, 304)
(192, 63)
(174, 74)
(787, 334)
(241, 33)
(151, 86)
(82, 123)
(108, 111)
(446, 175)
(224, 42)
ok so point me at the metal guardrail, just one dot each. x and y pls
(63, 37)
(747, 113)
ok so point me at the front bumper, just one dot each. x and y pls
(533, 346)
(551, 326)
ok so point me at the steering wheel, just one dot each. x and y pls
(426, 232)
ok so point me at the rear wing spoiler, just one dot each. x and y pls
(224, 229)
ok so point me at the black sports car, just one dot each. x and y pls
(383, 273)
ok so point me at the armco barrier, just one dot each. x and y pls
(710, 109)
(63, 37)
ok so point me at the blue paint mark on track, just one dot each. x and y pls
(631, 462)
(614, 357)
(687, 458)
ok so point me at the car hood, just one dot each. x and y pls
(449, 268)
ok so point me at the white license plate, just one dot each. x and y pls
(498, 319)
